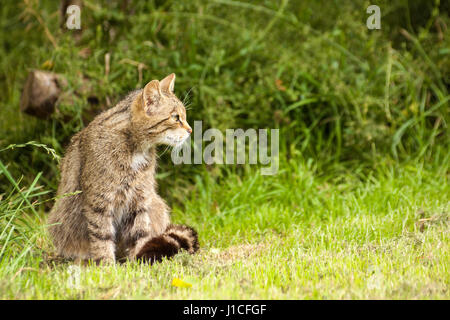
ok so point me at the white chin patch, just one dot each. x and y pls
(174, 140)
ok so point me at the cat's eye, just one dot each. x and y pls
(176, 117)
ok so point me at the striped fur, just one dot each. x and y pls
(113, 163)
(176, 238)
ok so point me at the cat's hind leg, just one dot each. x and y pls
(175, 238)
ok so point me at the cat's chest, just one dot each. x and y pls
(139, 161)
(133, 188)
(134, 184)
(126, 199)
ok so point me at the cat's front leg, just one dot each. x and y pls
(149, 220)
(101, 233)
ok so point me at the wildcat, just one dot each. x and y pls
(118, 213)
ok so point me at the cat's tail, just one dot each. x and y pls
(175, 238)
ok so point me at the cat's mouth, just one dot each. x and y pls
(175, 141)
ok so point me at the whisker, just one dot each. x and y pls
(186, 96)
(165, 150)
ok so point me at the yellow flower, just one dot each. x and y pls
(180, 283)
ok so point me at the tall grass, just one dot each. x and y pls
(341, 93)
(21, 223)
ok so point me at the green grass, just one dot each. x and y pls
(360, 205)
(302, 236)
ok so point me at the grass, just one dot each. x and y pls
(302, 237)
(360, 206)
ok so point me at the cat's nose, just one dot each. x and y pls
(188, 129)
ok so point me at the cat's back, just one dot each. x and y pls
(95, 141)
(70, 166)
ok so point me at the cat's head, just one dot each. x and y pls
(158, 116)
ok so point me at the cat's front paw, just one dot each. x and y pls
(102, 260)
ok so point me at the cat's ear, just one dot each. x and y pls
(168, 83)
(151, 96)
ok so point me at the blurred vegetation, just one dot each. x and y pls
(343, 96)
